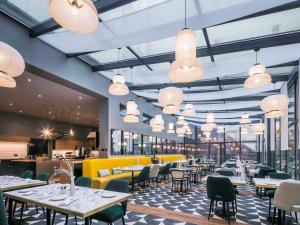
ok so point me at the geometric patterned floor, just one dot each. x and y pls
(251, 209)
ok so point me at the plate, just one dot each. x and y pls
(58, 198)
(107, 195)
(24, 191)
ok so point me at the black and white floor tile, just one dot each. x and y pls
(251, 209)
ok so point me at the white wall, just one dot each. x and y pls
(284, 122)
(13, 150)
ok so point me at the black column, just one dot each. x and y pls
(269, 142)
(224, 137)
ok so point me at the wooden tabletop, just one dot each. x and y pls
(84, 203)
(9, 183)
(267, 183)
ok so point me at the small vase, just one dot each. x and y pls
(72, 186)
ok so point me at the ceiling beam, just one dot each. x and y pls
(203, 83)
(101, 6)
(237, 46)
(224, 123)
(250, 109)
(284, 7)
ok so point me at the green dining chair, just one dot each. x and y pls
(164, 173)
(143, 178)
(226, 173)
(27, 174)
(83, 181)
(80, 182)
(43, 177)
(115, 212)
(220, 189)
(3, 216)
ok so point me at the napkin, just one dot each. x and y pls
(68, 201)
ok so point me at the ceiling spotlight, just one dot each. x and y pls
(29, 79)
(20, 111)
(40, 96)
(49, 112)
(11, 104)
(79, 98)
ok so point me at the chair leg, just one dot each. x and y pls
(44, 211)
(233, 207)
(75, 219)
(211, 203)
(123, 220)
(67, 218)
(21, 215)
(228, 212)
(236, 208)
(283, 217)
(53, 218)
(274, 213)
(296, 217)
(36, 209)
(15, 207)
(269, 207)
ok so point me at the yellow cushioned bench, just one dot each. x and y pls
(91, 166)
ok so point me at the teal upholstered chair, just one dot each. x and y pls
(27, 174)
(143, 178)
(115, 212)
(220, 189)
(81, 182)
(43, 177)
(173, 166)
(270, 192)
(3, 217)
(164, 173)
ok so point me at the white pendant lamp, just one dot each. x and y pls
(170, 99)
(131, 112)
(180, 131)
(11, 65)
(245, 119)
(258, 77)
(206, 129)
(185, 68)
(7, 81)
(79, 16)
(274, 105)
(181, 121)
(220, 130)
(188, 131)
(171, 128)
(189, 110)
(258, 128)
(210, 120)
(118, 87)
(157, 123)
(244, 131)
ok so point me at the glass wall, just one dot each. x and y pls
(127, 143)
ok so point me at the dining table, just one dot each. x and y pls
(269, 183)
(56, 197)
(9, 183)
(133, 170)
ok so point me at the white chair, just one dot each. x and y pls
(154, 172)
(287, 198)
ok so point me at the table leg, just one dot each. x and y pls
(132, 181)
(10, 211)
(86, 221)
(48, 216)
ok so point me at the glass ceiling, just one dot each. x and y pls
(166, 20)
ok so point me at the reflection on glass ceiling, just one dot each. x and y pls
(255, 27)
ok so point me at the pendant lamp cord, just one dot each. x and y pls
(131, 68)
(255, 57)
(185, 14)
(119, 49)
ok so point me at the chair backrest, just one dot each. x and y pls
(221, 186)
(230, 165)
(226, 173)
(83, 182)
(43, 177)
(230, 169)
(3, 216)
(252, 166)
(154, 171)
(287, 195)
(174, 165)
(166, 169)
(177, 174)
(119, 185)
(190, 162)
(194, 169)
(198, 161)
(144, 175)
(280, 176)
(27, 174)
(264, 172)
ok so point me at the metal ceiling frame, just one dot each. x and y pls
(202, 83)
(101, 6)
(230, 47)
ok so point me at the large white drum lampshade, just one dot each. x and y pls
(274, 105)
